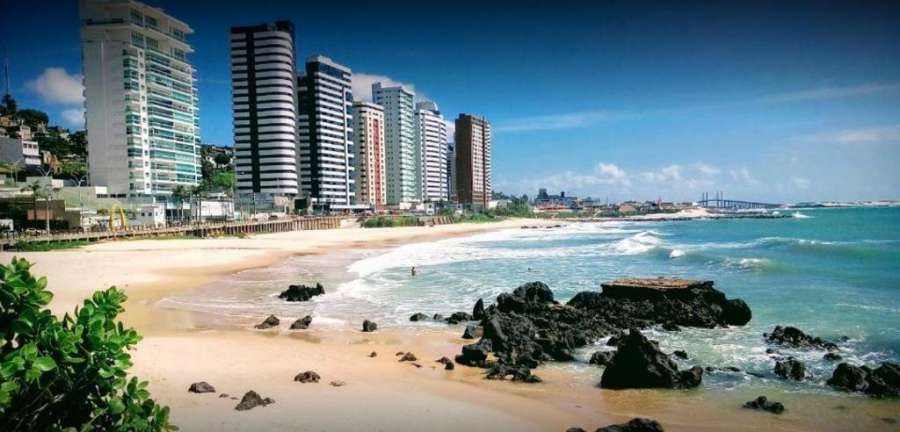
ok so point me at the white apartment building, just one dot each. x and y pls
(368, 139)
(431, 144)
(265, 109)
(21, 153)
(324, 103)
(403, 188)
(140, 97)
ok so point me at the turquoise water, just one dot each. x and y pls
(834, 273)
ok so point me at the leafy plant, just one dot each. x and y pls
(68, 374)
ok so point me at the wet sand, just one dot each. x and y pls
(381, 393)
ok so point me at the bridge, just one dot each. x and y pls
(719, 202)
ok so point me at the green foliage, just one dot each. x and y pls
(68, 374)
(73, 169)
(40, 246)
(32, 117)
(390, 222)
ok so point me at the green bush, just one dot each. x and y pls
(68, 374)
(39, 246)
(388, 222)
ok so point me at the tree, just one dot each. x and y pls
(32, 117)
(73, 169)
(39, 189)
(222, 159)
(68, 373)
(8, 105)
(78, 143)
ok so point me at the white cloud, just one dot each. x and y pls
(55, 86)
(800, 182)
(361, 84)
(707, 170)
(74, 117)
(742, 175)
(824, 93)
(611, 172)
(451, 130)
(876, 134)
(562, 121)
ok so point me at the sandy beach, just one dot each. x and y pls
(380, 393)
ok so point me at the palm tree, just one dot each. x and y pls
(179, 194)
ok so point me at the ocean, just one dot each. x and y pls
(834, 273)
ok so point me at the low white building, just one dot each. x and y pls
(151, 215)
(22, 153)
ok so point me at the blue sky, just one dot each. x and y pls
(774, 101)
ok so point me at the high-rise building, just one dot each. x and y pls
(473, 161)
(431, 144)
(326, 146)
(400, 138)
(368, 139)
(143, 129)
(265, 109)
(451, 171)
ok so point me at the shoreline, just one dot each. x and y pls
(398, 396)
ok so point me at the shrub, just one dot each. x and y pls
(68, 374)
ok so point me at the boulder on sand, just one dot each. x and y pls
(794, 337)
(790, 369)
(471, 332)
(763, 404)
(271, 321)
(634, 425)
(252, 400)
(883, 381)
(639, 363)
(408, 357)
(369, 326)
(299, 293)
(458, 317)
(601, 358)
(307, 377)
(302, 323)
(418, 317)
(201, 387)
(448, 364)
(478, 310)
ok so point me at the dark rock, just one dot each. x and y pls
(373, 354)
(399, 353)
(224, 395)
(761, 403)
(307, 377)
(448, 364)
(791, 369)
(252, 400)
(298, 293)
(680, 354)
(575, 429)
(614, 339)
(830, 356)
(883, 381)
(408, 357)
(501, 371)
(418, 317)
(640, 364)
(474, 354)
(271, 321)
(302, 323)
(671, 327)
(438, 317)
(634, 425)
(337, 383)
(601, 358)
(416, 365)
(794, 337)
(458, 317)
(369, 326)
(201, 387)
(478, 310)
(472, 332)
(770, 351)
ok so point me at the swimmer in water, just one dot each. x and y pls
(413, 271)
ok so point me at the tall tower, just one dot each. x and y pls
(431, 143)
(368, 139)
(142, 120)
(403, 188)
(326, 146)
(473, 161)
(264, 109)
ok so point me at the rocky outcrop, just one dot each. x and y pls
(794, 337)
(408, 357)
(680, 354)
(252, 400)
(369, 326)
(201, 387)
(634, 425)
(528, 326)
(299, 293)
(458, 317)
(271, 321)
(601, 358)
(883, 381)
(639, 363)
(478, 310)
(500, 371)
(448, 364)
(790, 369)
(830, 356)
(763, 404)
(472, 332)
(307, 377)
(301, 323)
(418, 317)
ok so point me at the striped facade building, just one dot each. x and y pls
(325, 127)
(265, 109)
(431, 144)
(368, 137)
(403, 186)
(473, 161)
(141, 103)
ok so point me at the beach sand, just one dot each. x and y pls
(380, 393)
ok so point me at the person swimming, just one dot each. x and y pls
(412, 271)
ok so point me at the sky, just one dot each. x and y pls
(766, 101)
